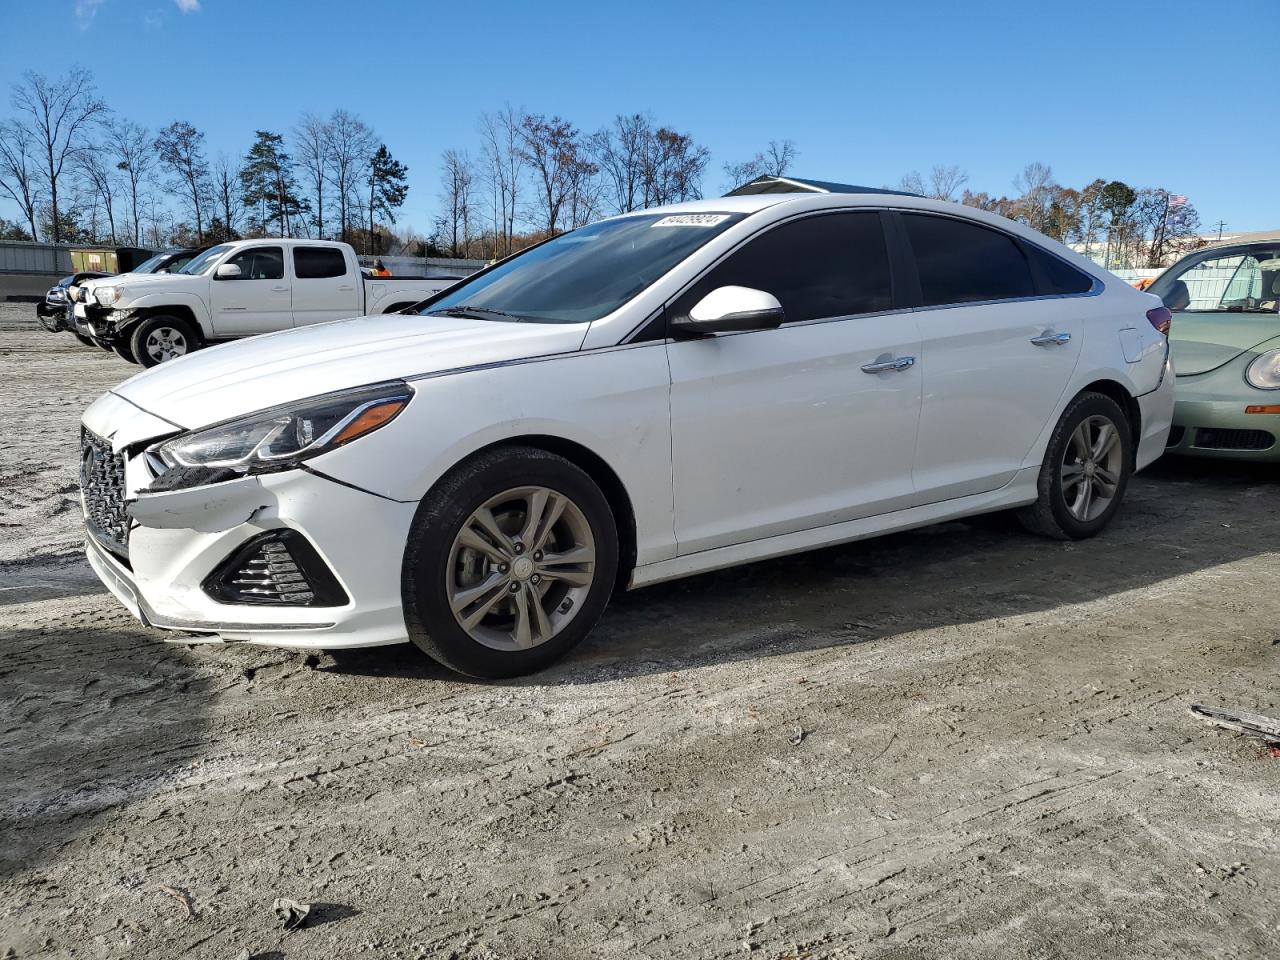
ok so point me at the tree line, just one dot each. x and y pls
(1120, 225)
(81, 173)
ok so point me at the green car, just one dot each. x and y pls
(1226, 350)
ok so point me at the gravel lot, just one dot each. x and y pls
(961, 742)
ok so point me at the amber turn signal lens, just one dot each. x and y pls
(1260, 408)
(369, 419)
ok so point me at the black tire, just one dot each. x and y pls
(49, 322)
(83, 339)
(427, 573)
(179, 336)
(122, 350)
(1051, 515)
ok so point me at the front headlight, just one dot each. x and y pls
(1264, 371)
(281, 437)
(108, 295)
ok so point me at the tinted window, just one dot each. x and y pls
(962, 262)
(1058, 275)
(832, 265)
(315, 263)
(586, 274)
(260, 263)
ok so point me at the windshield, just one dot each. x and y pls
(584, 275)
(1237, 281)
(149, 266)
(204, 263)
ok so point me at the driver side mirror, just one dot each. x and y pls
(228, 271)
(732, 310)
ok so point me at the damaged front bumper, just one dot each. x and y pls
(184, 546)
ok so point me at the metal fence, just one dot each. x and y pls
(18, 257)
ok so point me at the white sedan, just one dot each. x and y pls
(656, 395)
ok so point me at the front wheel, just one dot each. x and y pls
(1085, 472)
(510, 562)
(157, 339)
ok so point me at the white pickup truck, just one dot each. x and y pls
(236, 290)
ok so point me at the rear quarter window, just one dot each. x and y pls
(1057, 276)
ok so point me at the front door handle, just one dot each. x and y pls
(279, 289)
(887, 366)
(1051, 339)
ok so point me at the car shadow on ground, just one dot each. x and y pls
(1181, 516)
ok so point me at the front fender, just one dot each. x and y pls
(159, 301)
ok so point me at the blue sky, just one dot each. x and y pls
(1167, 94)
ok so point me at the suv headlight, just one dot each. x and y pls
(282, 437)
(1264, 371)
(108, 295)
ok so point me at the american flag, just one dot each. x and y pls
(1177, 200)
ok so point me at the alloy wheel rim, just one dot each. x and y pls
(1091, 468)
(165, 343)
(520, 568)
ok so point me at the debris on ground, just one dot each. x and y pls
(1250, 724)
(290, 912)
(182, 897)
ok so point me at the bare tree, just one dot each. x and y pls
(59, 115)
(132, 150)
(180, 148)
(18, 171)
(100, 178)
(456, 180)
(312, 138)
(674, 166)
(350, 145)
(942, 183)
(226, 193)
(504, 170)
(621, 151)
(558, 158)
(1035, 187)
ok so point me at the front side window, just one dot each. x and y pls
(584, 275)
(962, 262)
(1242, 281)
(821, 267)
(318, 263)
(260, 263)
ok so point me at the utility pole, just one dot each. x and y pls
(1221, 224)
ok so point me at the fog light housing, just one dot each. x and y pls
(277, 568)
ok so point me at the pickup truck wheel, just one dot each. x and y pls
(509, 563)
(157, 339)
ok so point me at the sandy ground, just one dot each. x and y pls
(958, 742)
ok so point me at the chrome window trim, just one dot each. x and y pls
(1094, 291)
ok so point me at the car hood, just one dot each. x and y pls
(218, 383)
(1205, 341)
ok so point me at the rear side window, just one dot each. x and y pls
(316, 263)
(961, 262)
(1058, 275)
(831, 265)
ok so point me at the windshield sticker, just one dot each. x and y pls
(693, 220)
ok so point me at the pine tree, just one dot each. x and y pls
(387, 190)
(268, 184)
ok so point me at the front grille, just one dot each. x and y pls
(102, 484)
(1213, 438)
(1175, 436)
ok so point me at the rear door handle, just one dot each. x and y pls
(888, 366)
(345, 287)
(1051, 339)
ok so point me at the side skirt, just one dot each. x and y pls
(1018, 492)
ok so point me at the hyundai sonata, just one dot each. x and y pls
(655, 395)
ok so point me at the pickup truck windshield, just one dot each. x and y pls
(204, 263)
(586, 274)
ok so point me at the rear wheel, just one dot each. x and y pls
(157, 339)
(510, 563)
(1085, 472)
